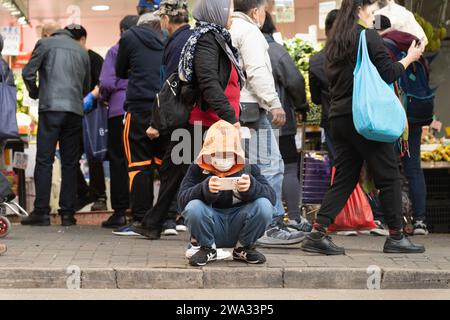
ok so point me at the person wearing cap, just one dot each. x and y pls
(174, 17)
(146, 6)
(113, 94)
(139, 60)
(231, 217)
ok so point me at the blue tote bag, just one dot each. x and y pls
(8, 108)
(95, 133)
(377, 112)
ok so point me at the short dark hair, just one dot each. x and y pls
(77, 31)
(246, 5)
(382, 22)
(128, 22)
(330, 19)
(179, 18)
(269, 26)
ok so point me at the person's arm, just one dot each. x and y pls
(259, 188)
(29, 73)
(123, 59)
(87, 76)
(195, 187)
(389, 71)
(259, 77)
(108, 79)
(206, 69)
(291, 79)
(314, 86)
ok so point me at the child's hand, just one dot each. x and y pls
(244, 183)
(214, 184)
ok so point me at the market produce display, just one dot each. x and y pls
(434, 34)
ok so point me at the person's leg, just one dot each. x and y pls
(291, 183)
(139, 154)
(201, 220)
(49, 129)
(171, 177)
(264, 151)
(69, 149)
(97, 186)
(414, 174)
(120, 194)
(330, 145)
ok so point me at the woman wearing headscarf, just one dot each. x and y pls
(211, 64)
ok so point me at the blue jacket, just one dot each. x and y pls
(195, 186)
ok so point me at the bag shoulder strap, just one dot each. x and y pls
(362, 49)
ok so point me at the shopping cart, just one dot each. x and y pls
(314, 176)
(7, 202)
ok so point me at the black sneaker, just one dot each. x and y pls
(249, 255)
(321, 243)
(68, 221)
(203, 256)
(36, 220)
(402, 245)
(99, 205)
(115, 221)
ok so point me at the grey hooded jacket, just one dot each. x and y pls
(64, 74)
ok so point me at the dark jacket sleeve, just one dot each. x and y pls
(123, 58)
(314, 83)
(206, 69)
(6, 73)
(87, 77)
(195, 187)
(389, 71)
(29, 73)
(291, 79)
(259, 188)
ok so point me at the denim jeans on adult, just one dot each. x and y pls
(262, 149)
(65, 128)
(414, 174)
(223, 228)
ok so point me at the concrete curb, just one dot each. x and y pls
(223, 278)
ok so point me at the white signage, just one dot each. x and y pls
(324, 9)
(11, 38)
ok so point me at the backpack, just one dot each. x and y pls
(415, 92)
(171, 110)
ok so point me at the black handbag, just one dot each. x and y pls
(250, 114)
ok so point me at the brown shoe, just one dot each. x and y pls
(3, 249)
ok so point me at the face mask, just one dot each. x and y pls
(223, 165)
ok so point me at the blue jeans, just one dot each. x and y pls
(225, 227)
(414, 174)
(263, 150)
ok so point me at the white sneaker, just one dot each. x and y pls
(221, 254)
(347, 233)
(181, 228)
(381, 229)
(170, 232)
(420, 228)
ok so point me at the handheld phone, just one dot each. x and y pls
(228, 184)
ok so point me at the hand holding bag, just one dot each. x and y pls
(377, 112)
(95, 133)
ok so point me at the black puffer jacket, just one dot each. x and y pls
(289, 83)
(64, 74)
(5, 73)
(212, 71)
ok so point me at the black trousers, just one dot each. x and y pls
(172, 173)
(65, 128)
(143, 156)
(351, 151)
(120, 195)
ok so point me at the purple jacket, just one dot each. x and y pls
(112, 89)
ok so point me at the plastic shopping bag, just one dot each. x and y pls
(357, 213)
(95, 133)
(377, 112)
